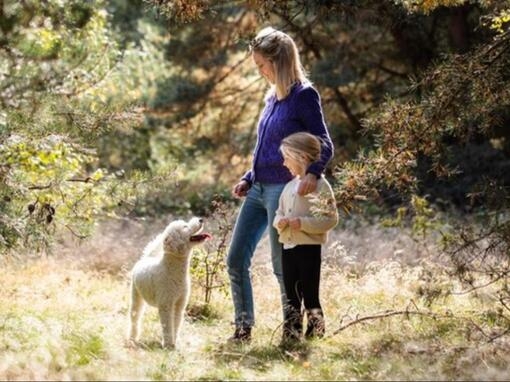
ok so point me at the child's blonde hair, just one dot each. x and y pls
(302, 147)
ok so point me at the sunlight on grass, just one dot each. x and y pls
(61, 320)
(85, 348)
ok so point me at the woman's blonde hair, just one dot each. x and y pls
(302, 147)
(279, 48)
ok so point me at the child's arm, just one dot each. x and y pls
(280, 222)
(326, 217)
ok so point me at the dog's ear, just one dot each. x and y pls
(170, 244)
(174, 244)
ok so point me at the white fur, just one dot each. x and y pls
(161, 279)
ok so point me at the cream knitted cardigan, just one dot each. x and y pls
(314, 227)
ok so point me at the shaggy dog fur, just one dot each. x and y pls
(161, 278)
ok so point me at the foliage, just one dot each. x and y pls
(208, 263)
(426, 6)
(500, 21)
(362, 68)
(463, 97)
(423, 218)
(450, 107)
(84, 349)
(55, 57)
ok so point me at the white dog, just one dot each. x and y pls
(161, 278)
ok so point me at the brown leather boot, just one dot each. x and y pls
(316, 327)
(241, 335)
(292, 328)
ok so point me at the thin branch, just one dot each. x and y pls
(45, 187)
(384, 315)
(40, 187)
(75, 234)
(502, 302)
(419, 313)
(492, 339)
(344, 104)
(392, 71)
(481, 286)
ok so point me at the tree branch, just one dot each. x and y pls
(384, 315)
(74, 233)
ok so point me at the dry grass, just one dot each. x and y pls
(63, 317)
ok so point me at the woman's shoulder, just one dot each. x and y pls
(305, 86)
(305, 90)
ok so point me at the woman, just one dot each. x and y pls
(292, 105)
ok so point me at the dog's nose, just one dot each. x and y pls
(200, 220)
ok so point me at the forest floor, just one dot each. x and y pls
(64, 317)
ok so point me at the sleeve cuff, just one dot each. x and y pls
(247, 180)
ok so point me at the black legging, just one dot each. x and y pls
(301, 276)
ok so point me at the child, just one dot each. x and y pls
(303, 223)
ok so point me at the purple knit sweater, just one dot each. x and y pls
(299, 111)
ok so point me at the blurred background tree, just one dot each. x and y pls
(67, 82)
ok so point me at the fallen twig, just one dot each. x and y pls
(384, 315)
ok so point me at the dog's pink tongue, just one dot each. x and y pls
(200, 237)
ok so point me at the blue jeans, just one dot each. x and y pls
(256, 214)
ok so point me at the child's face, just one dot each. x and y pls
(295, 167)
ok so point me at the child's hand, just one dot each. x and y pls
(282, 223)
(295, 223)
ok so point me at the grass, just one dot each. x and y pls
(65, 318)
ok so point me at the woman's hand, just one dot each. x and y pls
(308, 184)
(241, 189)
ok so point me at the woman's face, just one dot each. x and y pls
(265, 67)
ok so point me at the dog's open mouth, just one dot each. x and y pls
(200, 237)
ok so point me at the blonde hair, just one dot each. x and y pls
(279, 48)
(302, 147)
